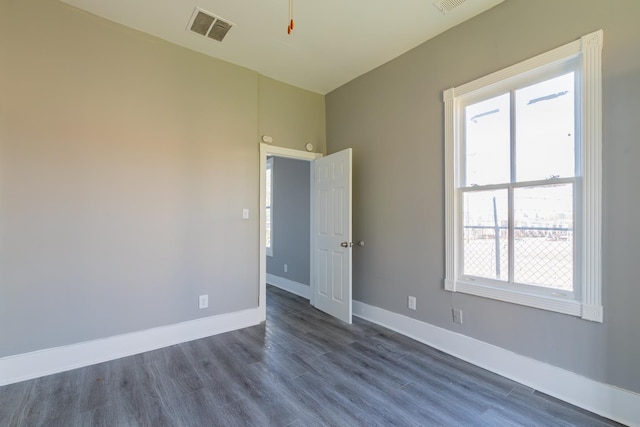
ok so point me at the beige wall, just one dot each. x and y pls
(125, 163)
(393, 118)
(291, 116)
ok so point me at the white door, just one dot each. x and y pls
(332, 244)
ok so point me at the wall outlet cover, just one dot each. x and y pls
(457, 315)
(203, 301)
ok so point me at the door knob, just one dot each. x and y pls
(346, 244)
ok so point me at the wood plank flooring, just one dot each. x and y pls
(302, 368)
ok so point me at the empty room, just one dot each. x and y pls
(294, 213)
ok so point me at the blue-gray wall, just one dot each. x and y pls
(393, 119)
(291, 226)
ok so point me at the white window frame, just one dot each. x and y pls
(586, 300)
(270, 208)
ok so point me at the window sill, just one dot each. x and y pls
(544, 302)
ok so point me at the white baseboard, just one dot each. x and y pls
(611, 402)
(297, 288)
(603, 399)
(53, 360)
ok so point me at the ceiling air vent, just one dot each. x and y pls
(446, 6)
(209, 25)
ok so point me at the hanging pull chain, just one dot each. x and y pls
(290, 27)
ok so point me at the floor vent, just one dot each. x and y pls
(446, 6)
(209, 25)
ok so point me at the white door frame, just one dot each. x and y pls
(265, 151)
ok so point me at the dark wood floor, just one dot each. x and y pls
(302, 368)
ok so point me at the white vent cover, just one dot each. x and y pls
(209, 25)
(445, 6)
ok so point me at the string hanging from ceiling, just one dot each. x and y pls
(290, 27)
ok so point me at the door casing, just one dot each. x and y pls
(265, 151)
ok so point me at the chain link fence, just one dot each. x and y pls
(543, 256)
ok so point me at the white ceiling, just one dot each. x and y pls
(333, 42)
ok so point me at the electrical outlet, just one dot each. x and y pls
(203, 301)
(457, 315)
(412, 303)
(286, 268)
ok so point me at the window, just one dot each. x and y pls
(523, 182)
(269, 206)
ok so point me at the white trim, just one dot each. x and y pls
(312, 234)
(290, 153)
(560, 54)
(450, 205)
(592, 176)
(541, 301)
(587, 299)
(611, 402)
(36, 364)
(270, 150)
(292, 286)
(269, 166)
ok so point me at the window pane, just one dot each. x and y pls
(487, 146)
(268, 192)
(486, 234)
(543, 248)
(545, 129)
(268, 227)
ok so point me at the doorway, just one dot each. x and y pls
(288, 221)
(284, 153)
(330, 251)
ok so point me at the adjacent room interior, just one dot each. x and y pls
(289, 187)
(135, 221)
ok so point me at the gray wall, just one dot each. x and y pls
(291, 220)
(122, 180)
(291, 116)
(393, 119)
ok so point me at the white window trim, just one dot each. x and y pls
(589, 303)
(269, 166)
